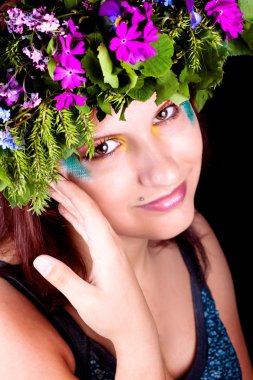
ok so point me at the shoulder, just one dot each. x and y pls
(29, 343)
(220, 282)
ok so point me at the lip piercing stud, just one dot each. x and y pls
(141, 199)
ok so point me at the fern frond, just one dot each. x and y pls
(66, 125)
(12, 55)
(86, 128)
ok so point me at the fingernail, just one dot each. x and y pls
(43, 265)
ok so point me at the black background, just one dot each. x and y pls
(225, 195)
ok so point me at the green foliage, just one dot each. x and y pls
(162, 62)
(11, 54)
(246, 7)
(166, 86)
(107, 66)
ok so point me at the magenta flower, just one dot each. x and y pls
(126, 46)
(73, 29)
(137, 16)
(69, 76)
(228, 14)
(68, 99)
(150, 32)
(67, 56)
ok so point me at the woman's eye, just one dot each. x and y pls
(165, 114)
(105, 148)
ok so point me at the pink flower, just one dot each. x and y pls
(228, 14)
(68, 99)
(69, 76)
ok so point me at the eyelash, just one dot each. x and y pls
(172, 117)
(112, 138)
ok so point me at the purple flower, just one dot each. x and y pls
(137, 16)
(66, 58)
(110, 9)
(126, 46)
(69, 76)
(11, 90)
(33, 101)
(68, 99)
(195, 17)
(228, 14)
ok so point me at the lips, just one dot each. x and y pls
(169, 201)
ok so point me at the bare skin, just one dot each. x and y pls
(144, 310)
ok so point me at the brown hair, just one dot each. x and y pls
(48, 233)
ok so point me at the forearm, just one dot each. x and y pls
(141, 358)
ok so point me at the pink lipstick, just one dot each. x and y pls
(168, 202)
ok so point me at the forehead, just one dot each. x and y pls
(134, 113)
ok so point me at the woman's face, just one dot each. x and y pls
(155, 153)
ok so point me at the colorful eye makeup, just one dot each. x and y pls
(75, 168)
(188, 110)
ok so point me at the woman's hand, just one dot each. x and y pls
(111, 302)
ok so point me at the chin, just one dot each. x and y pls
(174, 226)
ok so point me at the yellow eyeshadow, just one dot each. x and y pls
(155, 130)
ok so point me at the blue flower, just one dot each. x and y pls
(6, 141)
(5, 115)
(166, 3)
(195, 17)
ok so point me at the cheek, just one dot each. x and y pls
(111, 185)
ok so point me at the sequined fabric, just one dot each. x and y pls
(222, 362)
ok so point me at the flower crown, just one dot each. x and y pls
(59, 61)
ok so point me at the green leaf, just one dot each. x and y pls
(4, 177)
(107, 66)
(105, 106)
(188, 75)
(51, 46)
(247, 35)
(239, 47)
(145, 92)
(3, 185)
(93, 69)
(166, 87)
(51, 67)
(178, 99)
(200, 99)
(132, 77)
(70, 4)
(246, 7)
(162, 62)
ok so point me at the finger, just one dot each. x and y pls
(74, 221)
(65, 280)
(64, 201)
(85, 209)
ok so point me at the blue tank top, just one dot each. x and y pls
(215, 356)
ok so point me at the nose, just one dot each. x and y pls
(157, 167)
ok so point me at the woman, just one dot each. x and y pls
(157, 299)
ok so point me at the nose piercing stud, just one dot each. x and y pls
(141, 199)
